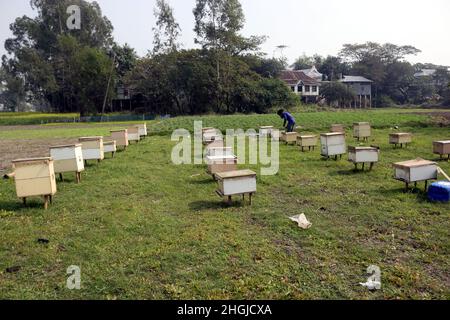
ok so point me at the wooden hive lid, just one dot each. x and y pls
(443, 142)
(236, 174)
(90, 138)
(119, 130)
(266, 127)
(332, 134)
(362, 124)
(109, 142)
(419, 162)
(351, 148)
(289, 133)
(32, 160)
(307, 136)
(221, 157)
(401, 134)
(75, 145)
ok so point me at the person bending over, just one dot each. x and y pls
(289, 120)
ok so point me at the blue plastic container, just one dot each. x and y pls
(439, 191)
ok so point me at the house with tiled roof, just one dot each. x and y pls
(301, 84)
(313, 73)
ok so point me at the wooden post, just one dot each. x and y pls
(371, 166)
(24, 200)
(426, 185)
(250, 196)
(61, 177)
(230, 202)
(45, 202)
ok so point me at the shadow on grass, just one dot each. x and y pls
(206, 181)
(17, 205)
(349, 172)
(214, 205)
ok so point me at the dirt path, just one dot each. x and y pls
(17, 149)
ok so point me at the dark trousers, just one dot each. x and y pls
(290, 127)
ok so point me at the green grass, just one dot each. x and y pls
(141, 228)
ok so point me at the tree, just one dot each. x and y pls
(337, 93)
(41, 48)
(306, 62)
(333, 67)
(167, 30)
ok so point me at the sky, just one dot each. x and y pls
(304, 26)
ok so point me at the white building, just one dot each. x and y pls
(308, 88)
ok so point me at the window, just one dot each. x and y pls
(314, 89)
(307, 88)
(300, 88)
(293, 89)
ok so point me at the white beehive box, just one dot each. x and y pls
(266, 131)
(67, 158)
(35, 177)
(221, 163)
(289, 137)
(236, 182)
(121, 137)
(363, 155)
(309, 141)
(142, 129)
(276, 135)
(333, 144)
(133, 134)
(110, 147)
(211, 135)
(441, 148)
(219, 151)
(416, 170)
(337, 128)
(92, 148)
(362, 130)
(400, 138)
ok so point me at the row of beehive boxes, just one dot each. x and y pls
(36, 176)
(222, 165)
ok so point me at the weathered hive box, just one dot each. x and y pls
(266, 131)
(289, 137)
(338, 128)
(276, 135)
(221, 163)
(363, 154)
(92, 148)
(416, 170)
(121, 137)
(362, 130)
(400, 138)
(236, 182)
(142, 130)
(133, 134)
(441, 147)
(307, 141)
(67, 158)
(34, 177)
(110, 147)
(333, 144)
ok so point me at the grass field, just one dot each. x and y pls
(141, 228)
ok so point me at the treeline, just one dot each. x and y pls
(394, 80)
(62, 70)
(79, 70)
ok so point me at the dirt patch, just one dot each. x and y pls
(441, 118)
(19, 149)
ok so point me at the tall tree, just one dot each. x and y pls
(41, 48)
(167, 30)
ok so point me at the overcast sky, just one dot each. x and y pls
(305, 26)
